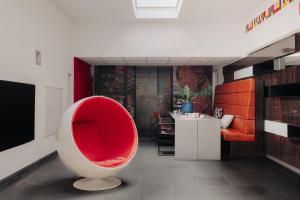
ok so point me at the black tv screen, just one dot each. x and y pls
(17, 109)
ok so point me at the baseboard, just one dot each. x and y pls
(285, 165)
(19, 173)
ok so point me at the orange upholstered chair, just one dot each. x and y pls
(238, 98)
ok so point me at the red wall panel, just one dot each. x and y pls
(82, 80)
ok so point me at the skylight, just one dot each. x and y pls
(157, 3)
(156, 9)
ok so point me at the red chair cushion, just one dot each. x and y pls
(104, 131)
(90, 140)
(111, 162)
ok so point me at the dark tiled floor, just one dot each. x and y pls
(150, 177)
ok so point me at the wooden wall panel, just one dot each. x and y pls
(228, 77)
(284, 109)
(283, 149)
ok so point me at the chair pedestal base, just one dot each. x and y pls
(90, 184)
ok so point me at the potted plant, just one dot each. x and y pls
(202, 101)
(187, 97)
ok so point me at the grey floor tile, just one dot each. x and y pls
(252, 191)
(222, 192)
(213, 181)
(151, 177)
(186, 193)
(154, 193)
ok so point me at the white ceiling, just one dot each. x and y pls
(171, 61)
(192, 10)
(90, 11)
(159, 61)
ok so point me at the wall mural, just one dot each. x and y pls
(116, 82)
(149, 90)
(276, 7)
(199, 81)
(153, 96)
(146, 98)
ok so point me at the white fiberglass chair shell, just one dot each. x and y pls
(97, 138)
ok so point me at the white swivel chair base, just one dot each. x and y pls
(91, 184)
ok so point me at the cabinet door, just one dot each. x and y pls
(186, 139)
(209, 139)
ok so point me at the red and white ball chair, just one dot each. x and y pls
(97, 138)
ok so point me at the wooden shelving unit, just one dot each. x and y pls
(285, 90)
(294, 132)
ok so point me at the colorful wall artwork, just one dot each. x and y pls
(199, 80)
(275, 8)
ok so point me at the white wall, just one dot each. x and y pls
(27, 26)
(278, 26)
(158, 39)
(220, 76)
(284, 23)
(243, 73)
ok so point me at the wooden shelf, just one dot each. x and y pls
(286, 90)
(291, 131)
(294, 132)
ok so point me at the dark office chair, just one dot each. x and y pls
(165, 130)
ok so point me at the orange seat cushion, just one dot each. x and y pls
(234, 135)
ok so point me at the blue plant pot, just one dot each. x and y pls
(187, 108)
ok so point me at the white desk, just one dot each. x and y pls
(197, 138)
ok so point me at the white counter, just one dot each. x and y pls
(197, 138)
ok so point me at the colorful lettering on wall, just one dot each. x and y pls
(276, 7)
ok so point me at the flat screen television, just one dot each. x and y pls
(17, 111)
